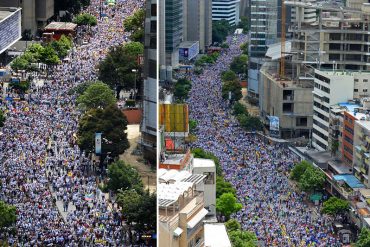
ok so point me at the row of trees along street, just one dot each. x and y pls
(97, 100)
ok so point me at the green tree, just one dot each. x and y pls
(8, 215)
(62, 46)
(182, 89)
(81, 88)
(243, 238)
(49, 56)
(244, 24)
(192, 125)
(232, 225)
(116, 69)
(298, 170)
(36, 50)
(123, 176)
(223, 187)
(85, 19)
(364, 238)
(233, 87)
(20, 87)
(138, 210)
(334, 147)
(240, 64)
(228, 75)
(2, 119)
(109, 121)
(250, 123)
(200, 153)
(135, 25)
(19, 63)
(239, 108)
(335, 206)
(97, 95)
(220, 30)
(244, 48)
(226, 204)
(312, 179)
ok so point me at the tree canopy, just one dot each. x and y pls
(135, 25)
(232, 225)
(226, 204)
(233, 87)
(138, 208)
(2, 118)
(220, 30)
(123, 176)
(240, 64)
(244, 24)
(298, 170)
(250, 123)
(8, 215)
(62, 46)
(81, 87)
(97, 95)
(85, 19)
(116, 69)
(109, 121)
(223, 187)
(239, 108)
(335, 206)
(243, 238)
(182, 89)
(364, 238)
(312, 179)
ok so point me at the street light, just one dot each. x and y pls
(134, 71)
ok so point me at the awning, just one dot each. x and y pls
(350, 180)
(177, 232)
(198, 217)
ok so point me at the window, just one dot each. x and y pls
(210, 177)
(365, 80)
(356, 80)
(356, 90)
(153, 10)
(365, 90)
(301, 121)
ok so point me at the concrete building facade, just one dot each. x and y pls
(197, 23)
(361, 160)
(170, 31)
(289, 101)
(35, 13)
(149, 121)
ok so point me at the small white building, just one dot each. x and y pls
(207, 167)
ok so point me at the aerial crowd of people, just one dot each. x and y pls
(257, 169)
(42, 167)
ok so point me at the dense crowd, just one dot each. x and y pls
(272, 208)
(41, 165)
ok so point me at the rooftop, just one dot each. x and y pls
(198, 162)
(61, 26)
(6, 12)
(364, 124)
(215, 235)
(350, 180)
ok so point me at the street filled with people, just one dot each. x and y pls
(257, 169)
(41, 165)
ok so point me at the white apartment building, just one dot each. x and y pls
(226, 10)
(330, 88)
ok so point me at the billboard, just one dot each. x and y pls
(10, 30)
(188, 50)
(174, 117)
(274, 125)
(98, 143)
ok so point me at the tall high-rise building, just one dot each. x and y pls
(226, 10)
(265, 29)
(35, 13)
(197, 24)
(171, 31)
(149, 122)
